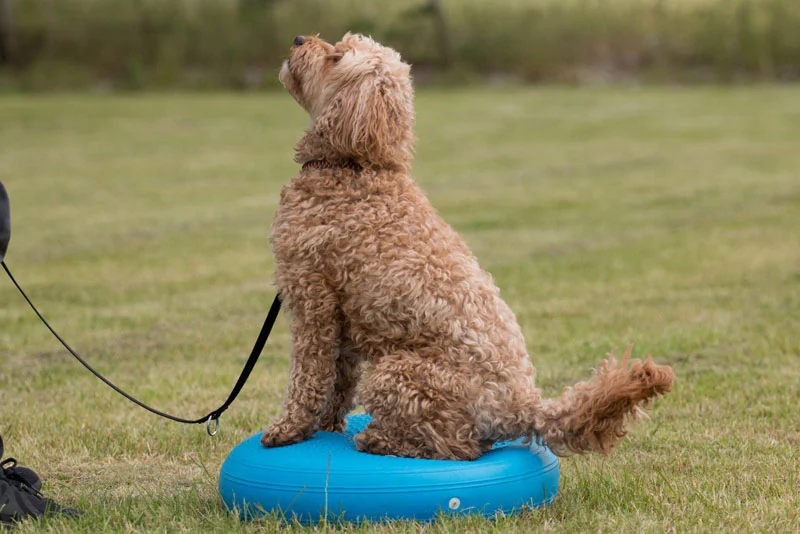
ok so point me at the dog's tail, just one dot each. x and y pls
(592, 415)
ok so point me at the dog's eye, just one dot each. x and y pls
(335, 57)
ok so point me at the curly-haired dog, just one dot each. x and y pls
(387, 301)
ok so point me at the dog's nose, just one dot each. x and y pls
(299, 40)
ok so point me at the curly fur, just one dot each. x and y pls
(387, 302)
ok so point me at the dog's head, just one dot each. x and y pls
(359, 96)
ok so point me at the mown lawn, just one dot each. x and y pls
(666, 218)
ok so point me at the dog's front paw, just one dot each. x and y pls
(280, 434)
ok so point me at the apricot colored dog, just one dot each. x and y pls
(387, 303)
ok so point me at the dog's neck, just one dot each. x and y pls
(325, 164)
(312, 147)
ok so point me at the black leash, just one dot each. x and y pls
(212, 416)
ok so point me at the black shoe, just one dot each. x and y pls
(20, 496)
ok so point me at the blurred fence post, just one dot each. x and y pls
(442, 31)
(6, 33)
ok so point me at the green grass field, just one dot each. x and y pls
(665, 218)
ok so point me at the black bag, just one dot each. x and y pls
(20, 494)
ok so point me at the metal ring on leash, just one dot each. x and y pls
(216, 425)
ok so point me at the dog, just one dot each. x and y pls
(388, 305)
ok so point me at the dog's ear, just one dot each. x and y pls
(368, 115)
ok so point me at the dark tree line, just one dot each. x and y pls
(6, 37)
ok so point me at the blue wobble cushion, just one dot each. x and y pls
(326, 477)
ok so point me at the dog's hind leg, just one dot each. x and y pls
(419, 408)
(426, 440)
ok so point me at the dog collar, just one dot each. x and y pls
(325, 164)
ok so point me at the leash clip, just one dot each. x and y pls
(216, 425)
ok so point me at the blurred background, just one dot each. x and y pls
(238, 44)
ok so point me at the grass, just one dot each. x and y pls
(665, 218)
